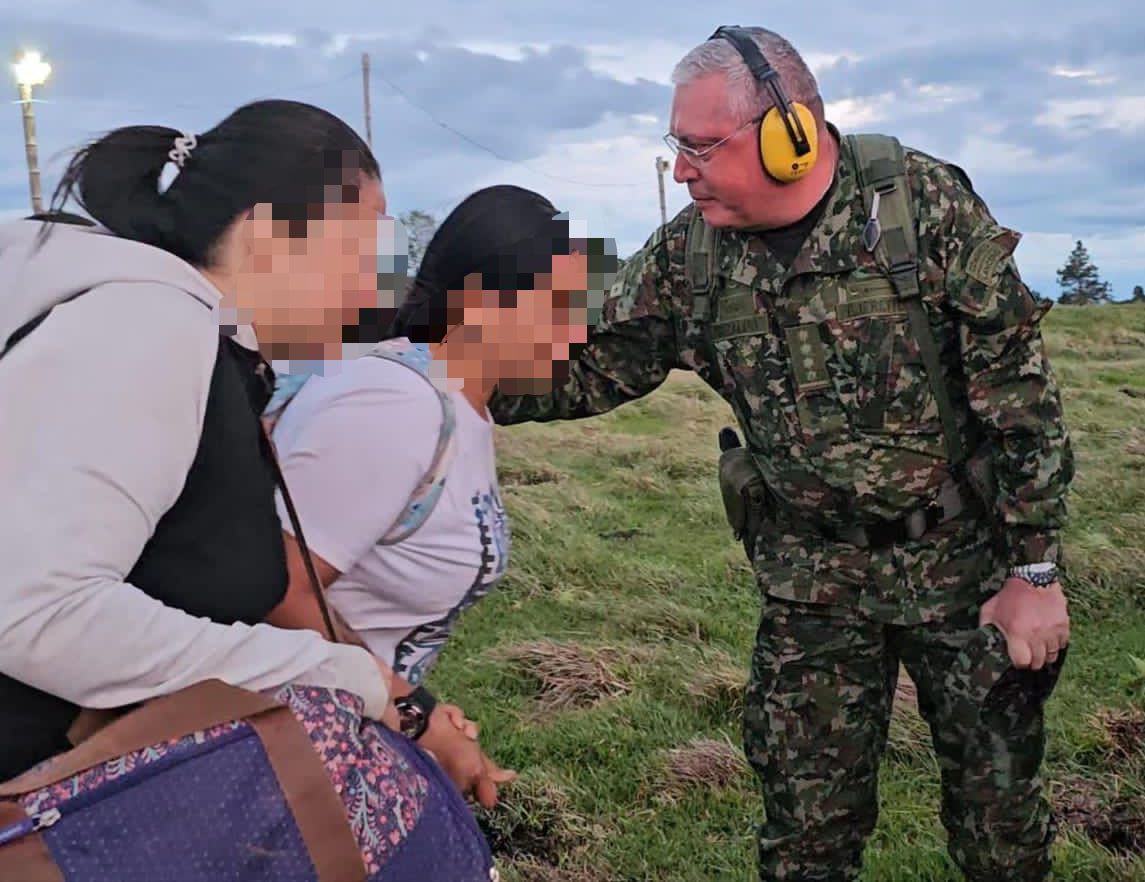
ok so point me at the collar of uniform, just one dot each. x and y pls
(835, 242)
(832, 246)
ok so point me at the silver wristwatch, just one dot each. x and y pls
(1041, 575)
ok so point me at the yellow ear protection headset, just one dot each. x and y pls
(788, 136)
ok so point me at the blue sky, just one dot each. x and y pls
(1043, 103)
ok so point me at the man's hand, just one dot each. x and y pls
(452, 740)
(1034, 621)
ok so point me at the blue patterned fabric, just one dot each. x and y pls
(207, 807)
(210, 813)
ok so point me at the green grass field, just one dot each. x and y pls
(608, 668)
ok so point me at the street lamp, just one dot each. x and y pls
(31, 70)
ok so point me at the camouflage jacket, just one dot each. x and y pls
(864, 440)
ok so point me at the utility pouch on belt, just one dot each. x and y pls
(742, 488)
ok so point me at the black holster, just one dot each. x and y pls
(744, 495)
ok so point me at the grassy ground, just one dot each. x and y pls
(608, 669)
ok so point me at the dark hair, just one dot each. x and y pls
(61, 217)
(505, 233)
(285, 153)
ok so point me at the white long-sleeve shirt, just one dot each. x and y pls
(101, 409)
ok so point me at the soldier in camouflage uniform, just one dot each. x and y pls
(895, 514)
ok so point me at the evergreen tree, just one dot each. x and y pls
(1079, 280)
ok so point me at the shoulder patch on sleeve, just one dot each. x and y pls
(990, 256)
(983, 262)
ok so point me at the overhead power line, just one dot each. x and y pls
(367, 72)
(485, 148)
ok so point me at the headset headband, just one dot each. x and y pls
(762, 70)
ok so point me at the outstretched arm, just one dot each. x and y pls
(629, 352)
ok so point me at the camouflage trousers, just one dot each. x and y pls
(817, 715)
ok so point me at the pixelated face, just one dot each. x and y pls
(305, 280)
(536, 333)
(727, 182)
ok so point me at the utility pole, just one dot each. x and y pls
(30, 151)
(661, 167)
(366, 96)
(31, 70)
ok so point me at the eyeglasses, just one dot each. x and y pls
(697, 156)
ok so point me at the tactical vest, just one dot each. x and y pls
(797, 346)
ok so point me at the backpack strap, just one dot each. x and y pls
(25, 329)
(428, 490)
(891, 233)
(700, 251)
(425, 495)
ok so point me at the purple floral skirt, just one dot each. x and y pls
(410, 822)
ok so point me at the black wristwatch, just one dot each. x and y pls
(413, 712)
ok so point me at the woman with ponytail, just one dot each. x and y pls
(142, 549)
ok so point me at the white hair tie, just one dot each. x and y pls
(178, 156)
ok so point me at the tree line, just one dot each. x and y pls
(1080, 282)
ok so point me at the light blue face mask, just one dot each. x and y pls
(392, 274)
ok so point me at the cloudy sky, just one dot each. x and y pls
(1040, 100)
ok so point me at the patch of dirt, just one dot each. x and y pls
(1076, 803)
(704, 763)
(1125, 731)
(570, 676)
(533, 822)
(1116, 824)
(621, 534)
(1122, 829)
(528, 475)
(538, 871)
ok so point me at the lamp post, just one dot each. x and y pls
(31, 70)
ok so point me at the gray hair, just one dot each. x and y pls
(747, 98)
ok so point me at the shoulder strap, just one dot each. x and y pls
(25, 329)
(700, 250)
(701, 255)
(891, 233)
(425, 495)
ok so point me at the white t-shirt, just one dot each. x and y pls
(353, 445)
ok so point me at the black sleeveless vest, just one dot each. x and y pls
(217, 553)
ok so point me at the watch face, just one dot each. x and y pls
(1039, 576)
(412, 719)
